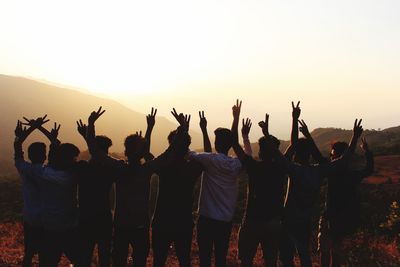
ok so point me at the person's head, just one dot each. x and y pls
(66, 156)
(182, 146)
(338, 149)
(223, 140)
(37, 153)
(303, 151)
(135, 147)
(103, 143)
(266, 146)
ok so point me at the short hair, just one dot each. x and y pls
(37, 152)
(103, 142)
(275, 141)
(340, 147)
(133, 139)
(182, 146)
(65, 155)
(303, 148)
(223, 138)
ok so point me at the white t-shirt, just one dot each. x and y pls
(219, 190)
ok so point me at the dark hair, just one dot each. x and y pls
(264, 152)
(134, 146)
(340, 148)
(223, 139)
(103, 142)
(65, 156)
(37, 152)
(183, 144)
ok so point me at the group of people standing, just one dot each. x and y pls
(67, 202)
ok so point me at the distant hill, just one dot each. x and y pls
(24, 97)
(383, 142)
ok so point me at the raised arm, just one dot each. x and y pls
(369, 167)
(246, 126)
(82, 129)
(166, 158)
(203, 127)
(21, 133)
(294, 136)
(151, 121)
(296, 111)
(240, 153)
(333, 166)
(182, 119)
(235, 124)
(316, 153)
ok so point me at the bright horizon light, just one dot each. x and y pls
(340, 58)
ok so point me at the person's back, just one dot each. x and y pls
(265, 194)
(302, 194)
(173, 218)
(58, 198)
(175, 193)
(95, 184)
(132, 196)
(219, 186)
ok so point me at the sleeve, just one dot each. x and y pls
(203, 158)
(28, 169)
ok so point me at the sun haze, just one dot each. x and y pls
(341, 59)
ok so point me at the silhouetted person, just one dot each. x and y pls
(131, 226)
(173, 218)
(33, 230)
(262, 220)
(219, 194)
(305, 181)
(343, 211)
(58, 187)
(95, 218)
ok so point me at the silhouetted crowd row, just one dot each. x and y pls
(67, 202)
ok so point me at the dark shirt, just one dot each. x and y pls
(95, 183)
(175, 193)
(342, 201)
(265, 193)
(133, 189)
(304, 186)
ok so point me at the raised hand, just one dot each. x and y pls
(36, 123)
(95, 115)
(203, 121)
(151, 118)
(236, 109)
(364, 145)
(357, 128)
(20, 131)
(183, 120)
(82, 128)
(296, 110)
(55, 130)
(246, 126)
(264, 125)
(304, 129)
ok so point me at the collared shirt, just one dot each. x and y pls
(220, 185)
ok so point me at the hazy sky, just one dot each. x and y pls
(340, 58)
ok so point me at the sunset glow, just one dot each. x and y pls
(339, 58)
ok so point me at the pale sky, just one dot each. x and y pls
(340, 58)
